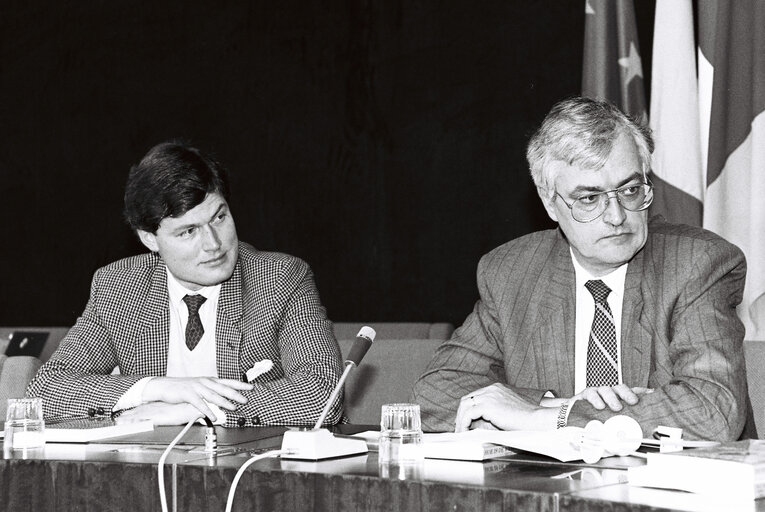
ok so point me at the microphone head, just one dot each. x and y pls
(367, 332)
(359, 349)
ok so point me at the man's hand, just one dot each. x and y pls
(160, 413)
(612, 396)
(504, 409)
(195, 390)
(482, 425)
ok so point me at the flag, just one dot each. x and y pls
(613, 69)
(677, 159)
(732, 39)
(707, 115)
(723, 185)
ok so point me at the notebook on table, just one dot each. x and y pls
(196, 435)
(226, 436)
(106, 431)
(85, 430)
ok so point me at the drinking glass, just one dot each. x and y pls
(24, 426)
(400, 434)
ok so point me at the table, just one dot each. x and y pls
(119, 477)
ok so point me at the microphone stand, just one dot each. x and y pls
(349, 365)
(319, 443)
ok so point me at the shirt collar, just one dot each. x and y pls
(177, 291)
(614, 280)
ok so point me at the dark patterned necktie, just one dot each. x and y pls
(602, 363)
(194, 329)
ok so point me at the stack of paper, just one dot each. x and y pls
(461, 447)
(734, 471)
(562, 444)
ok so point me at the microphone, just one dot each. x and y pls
(320, 443)
(364, 340)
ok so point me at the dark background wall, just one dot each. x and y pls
(382, 142)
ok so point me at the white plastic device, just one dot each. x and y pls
(320, 443)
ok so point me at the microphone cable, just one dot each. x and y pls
(251, 460)
(161, 465)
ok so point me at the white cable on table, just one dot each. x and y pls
(161, 465)
(265, 455)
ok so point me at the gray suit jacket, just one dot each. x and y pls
(680, 333)
(268, 309)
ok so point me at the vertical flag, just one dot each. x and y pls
(734, 204)
(677, 161)
(612, 67)
(726, 183)
(708, 117)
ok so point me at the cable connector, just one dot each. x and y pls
(211, 437)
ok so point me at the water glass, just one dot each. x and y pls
(400, 434)
(24, 425)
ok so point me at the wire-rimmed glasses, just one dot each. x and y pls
(635, 197)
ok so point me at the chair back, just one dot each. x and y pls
(52, 336)
(397, 330)
(386, 375)
(15, 374)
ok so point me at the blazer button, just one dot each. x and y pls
(91, 412)
(256, 420)
(100, 411)
(241, 421)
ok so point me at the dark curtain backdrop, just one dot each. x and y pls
(382, 142)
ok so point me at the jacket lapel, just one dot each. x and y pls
(555, 352)
(154, 326)
(636, 336)
(228, 333)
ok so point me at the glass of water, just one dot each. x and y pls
(24, 426)
(400, 434)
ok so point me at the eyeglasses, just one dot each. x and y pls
(631, 197)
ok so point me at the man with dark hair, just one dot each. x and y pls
(190, 325)
(608, 314)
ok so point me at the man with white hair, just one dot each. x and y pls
(608, 314)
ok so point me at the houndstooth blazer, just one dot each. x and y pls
(680, 333)
(268, 309)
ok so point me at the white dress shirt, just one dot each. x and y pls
(182, 362)
(585, 311)
(200, 362)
